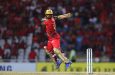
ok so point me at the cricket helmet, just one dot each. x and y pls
(48, 12)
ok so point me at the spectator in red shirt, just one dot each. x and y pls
(6, 45)
(1, 53)
(32, 56)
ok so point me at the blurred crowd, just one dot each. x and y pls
(91, 26)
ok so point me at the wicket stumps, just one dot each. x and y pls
(89, 61)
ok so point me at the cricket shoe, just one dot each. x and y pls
(58, 63)
(68, 64)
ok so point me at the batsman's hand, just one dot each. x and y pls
(45, 48)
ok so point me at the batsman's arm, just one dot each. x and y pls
(43, 24)
(64, 16)
(43, 19)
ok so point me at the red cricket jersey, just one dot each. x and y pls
(51, 28)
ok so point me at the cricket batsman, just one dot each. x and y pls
(53, 44)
